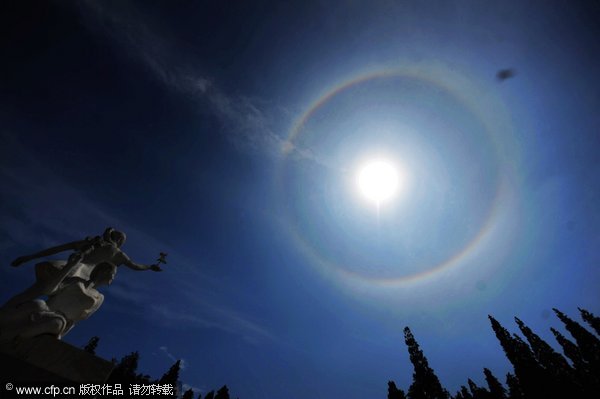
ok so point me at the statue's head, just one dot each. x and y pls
(103, 273)
(116, 237)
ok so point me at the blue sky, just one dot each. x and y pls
(229, 135)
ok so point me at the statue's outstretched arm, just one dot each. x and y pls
(75, 245)
(125, 260)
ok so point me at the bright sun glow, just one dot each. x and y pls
(378, 180)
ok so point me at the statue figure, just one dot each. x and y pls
(69, 285)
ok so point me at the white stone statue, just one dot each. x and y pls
(70, 287)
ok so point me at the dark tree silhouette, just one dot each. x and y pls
(531, 376)
(561, 374)
(426, 384)
(463, 393)
(592, 320)
(508, 343)
(91, 346)
(476, 391)
(588, 343)
(539, 370)
(394, 392)
(125, 371)
(514, 387)
(571, 350)
(222, 393)
(210, 395)
(172, 375)
(544, 353)
(497, 391)
(189, 394)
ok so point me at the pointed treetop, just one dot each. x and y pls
(570, 349)
(126, 370)
(551, 360)
(172, 375)
(516, 350)
(497, 391)
(394, 392)
(222, 393)
(426, 384)
(587, 342)
(592, 320)
(464, 393)
(91, 346)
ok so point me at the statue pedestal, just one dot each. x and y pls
(47, 359)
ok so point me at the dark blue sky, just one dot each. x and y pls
(228, 134)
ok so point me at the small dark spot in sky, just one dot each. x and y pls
(481, 285)
(504, 74)
(546, 314)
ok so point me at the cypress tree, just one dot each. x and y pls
(426, 384)
(544, 353)
(463, 393)
(571, 350)
(509, 345)
(477, 392)
(585, 377)
(91, 346)
(127, 367)
(210, 395)
(514, 387)
(394, 392)
(125, 371)
(189, 394)
(588, 343)
(172, 376)
(561, 376)
(592, 320)
(222, 393)
(530, 374)
(458, 395)
(497, 391)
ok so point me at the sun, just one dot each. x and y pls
(378, 180)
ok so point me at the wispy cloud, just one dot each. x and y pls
(249, 123)
(220, 318)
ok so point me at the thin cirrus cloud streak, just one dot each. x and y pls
(222, 318)
(248, 122)
(196, 312)
(36, 223)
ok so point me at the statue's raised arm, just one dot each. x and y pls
(70, 246)
(137, 266)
